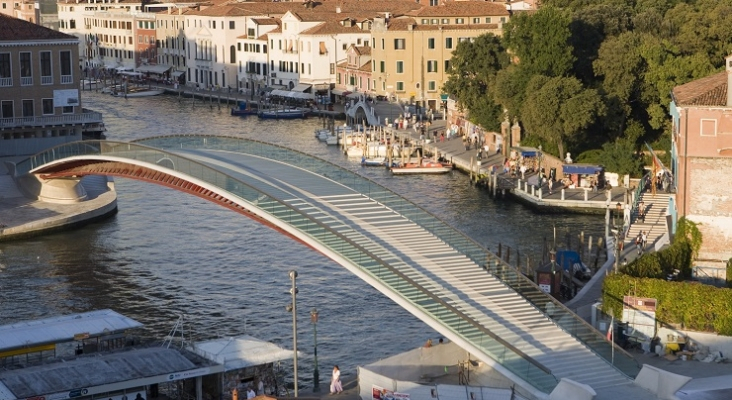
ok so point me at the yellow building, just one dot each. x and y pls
(411, 53)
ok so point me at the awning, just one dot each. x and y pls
(354, 95)
(301, 87)
(154, 69)
(338, 92)
(176, 74)
(581, 169)
(526, 151)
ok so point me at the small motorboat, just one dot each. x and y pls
(137, 92)
(426, 166)
(373, 162)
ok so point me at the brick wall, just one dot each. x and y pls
(710, 205)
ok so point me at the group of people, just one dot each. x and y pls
(640, 241)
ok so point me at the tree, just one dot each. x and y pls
(558, 109)
(541, 41)
(472, 74)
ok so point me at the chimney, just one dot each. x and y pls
(338, 9)
(410, 27)
(728, 67)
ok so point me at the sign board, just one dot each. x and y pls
(66, 98)
(78, 393)
(444, 97)
(81, 336)
(188, 374)
(640, 314)
(379, 393)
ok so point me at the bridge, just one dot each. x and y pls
(443, 277)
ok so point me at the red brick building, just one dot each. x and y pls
(702, 160)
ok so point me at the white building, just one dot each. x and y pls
(253, 55)
(171, 41)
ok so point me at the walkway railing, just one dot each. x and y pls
(350, 244)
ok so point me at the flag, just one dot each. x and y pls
(610, 330)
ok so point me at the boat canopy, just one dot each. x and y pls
(292, 95)
(526, 151)
(581, 169)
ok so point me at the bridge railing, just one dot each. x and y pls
(503, 352)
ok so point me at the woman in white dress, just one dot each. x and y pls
(335, 381)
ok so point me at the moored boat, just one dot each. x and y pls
(373, 162)
(283, 113)
(137, 92)
(426, 166)
(243, 110)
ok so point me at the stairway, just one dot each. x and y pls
(655, 222)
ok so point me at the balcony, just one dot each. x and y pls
(46, 80)
(6, 82)
(53, 120)
(65, 79)
(26, 81)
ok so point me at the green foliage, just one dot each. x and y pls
(661, 264)
(559, 108)
(619, 156)
(687, 230)
(472, 74)
(540, 41)
(686, 304)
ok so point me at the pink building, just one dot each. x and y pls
(702, 160)
(354, 75)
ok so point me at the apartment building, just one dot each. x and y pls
(411, 54)
(40, 105)
(701, 158)
(253, 56)
(171, 41)
(354, 74)
(27, 10)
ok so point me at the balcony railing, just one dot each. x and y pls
(6, 82)
(70, 119)
(46, 80)
(66, 79)
(26, 81)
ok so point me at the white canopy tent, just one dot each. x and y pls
(241, 352)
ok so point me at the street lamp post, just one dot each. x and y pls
(618, 234)
(541, 178)
(316, 373)
(292, 307)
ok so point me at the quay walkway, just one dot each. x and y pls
(444, 278)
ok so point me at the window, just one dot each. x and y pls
(487, 20)
(447, 65)
(435, 21)
(323, 49)
(232, 55)
(27, 108)
(382, 66)
(431, 43)
(463, 39)
(476, 20)
(46, 74)
(400, 67)
(72, 24)
(25, 64)
(400, 44)
(7, 109)
(47, 106)
(446, 21)
(5, 66)
(68, 110)
(65, 65)
(503, 20)
(425, 21)
(238, 46)
(432, 66)
(231, 24)
(708, 127)
(332, 68)
(338, 79)
(400, 86)
(459, 21)
(448, 43)
(432, 86)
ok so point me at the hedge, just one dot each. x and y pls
(688, 305)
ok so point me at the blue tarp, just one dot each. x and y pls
(567, 258)
(582, 169)
(526, 151)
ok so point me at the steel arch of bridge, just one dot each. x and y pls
(161, 160)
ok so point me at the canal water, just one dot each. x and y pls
(167, 254)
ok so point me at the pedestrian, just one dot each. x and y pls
(250, 393)
(644, 239)
(335, 381)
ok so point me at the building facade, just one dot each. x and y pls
(354, 74)
(701, 111)
(411, 54)
(40, 106)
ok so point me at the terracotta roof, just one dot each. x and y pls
(363, 50)
(331, 28)
(461, 9)
(15, 30)
(366, 67)
(265, 21)
(402, 24)
(708, 91)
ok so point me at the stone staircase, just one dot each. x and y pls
(655, 222)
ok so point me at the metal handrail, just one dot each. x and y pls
(88, 145)
(636, 197)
